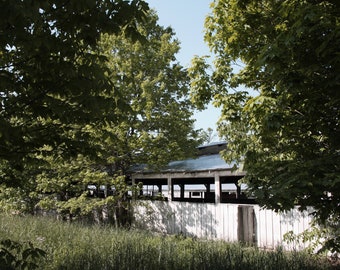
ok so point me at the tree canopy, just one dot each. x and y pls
(87, 89)
(53, 87)
(287, 134)
(158, 125)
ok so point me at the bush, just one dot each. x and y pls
(15, 255)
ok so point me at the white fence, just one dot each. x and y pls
(230, 222)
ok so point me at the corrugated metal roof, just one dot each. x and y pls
(208, 162)
(202, 163)
(208, 159)
(213, 144)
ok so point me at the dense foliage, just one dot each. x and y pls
(55, 96)
(53, 88)
(157, 127)
(287, 134)
(86, 90)
(17, 255)
(75, 246)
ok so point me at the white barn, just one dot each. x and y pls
(203, 198)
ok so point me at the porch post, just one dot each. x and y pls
(238, 191)
(217, 188)
(182, 187)
(170, 189)
(133, 182)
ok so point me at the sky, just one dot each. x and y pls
(186, 17)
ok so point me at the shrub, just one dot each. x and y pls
(15, 255)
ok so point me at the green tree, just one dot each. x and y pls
(207, 136)
(287, 135)
(52, 86)
(153, 125)
(54, 92)
(158, 125)
(125, 102)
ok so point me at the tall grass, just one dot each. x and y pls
(76, 246)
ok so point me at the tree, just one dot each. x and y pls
(54, 92)
(128, 105)
(153, 126)
(207, 136)
(158, 125)
(287, 135)
(53, 87)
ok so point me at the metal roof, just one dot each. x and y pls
(201, 163)
(208, 162)
(208, 159)
(219, 143)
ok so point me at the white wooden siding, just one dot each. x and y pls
(219, 221)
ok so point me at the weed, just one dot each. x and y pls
(80, 246)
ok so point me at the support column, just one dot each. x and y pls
(170, 189)
(133, 182)
(182, 188)
(238, 191)
(159, 188)
(217, 188)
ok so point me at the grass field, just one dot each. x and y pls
(77, 246)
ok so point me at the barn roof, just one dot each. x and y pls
(206, 162)
(208, 159)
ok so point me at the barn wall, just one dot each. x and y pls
(230, 222)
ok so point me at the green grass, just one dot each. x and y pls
(76, 246)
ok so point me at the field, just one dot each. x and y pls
(78, 246)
